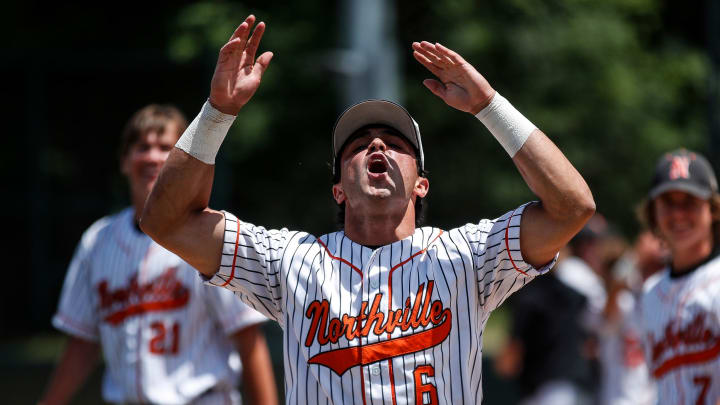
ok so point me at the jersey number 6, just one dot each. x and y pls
(422, 388)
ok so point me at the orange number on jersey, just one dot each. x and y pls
(703, 381)
(421, 388)
(159, 344)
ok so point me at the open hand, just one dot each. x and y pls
(237, 73)
(459, 84)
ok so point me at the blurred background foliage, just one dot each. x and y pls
(614, 83)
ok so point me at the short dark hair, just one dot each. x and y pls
(420, 204)
(153, 117)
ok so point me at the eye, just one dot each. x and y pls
(360, 147)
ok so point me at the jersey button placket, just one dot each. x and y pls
(370, 286)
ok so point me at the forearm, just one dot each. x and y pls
(566, 200)
(77, 362)
(563, 192)
(176, 214)
(258, 378)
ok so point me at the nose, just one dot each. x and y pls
(377, 145)
(156, 155)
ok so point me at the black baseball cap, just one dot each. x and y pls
(684, 170)
(376, 112)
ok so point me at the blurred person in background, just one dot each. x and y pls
(583, 267)
(625, 377)
(557, 322)
(165, 337)
(681, 311)
(545, 352)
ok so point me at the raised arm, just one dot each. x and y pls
(566, 202)
(176, 214)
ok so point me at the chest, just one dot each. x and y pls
(130, 280)
(682, 320)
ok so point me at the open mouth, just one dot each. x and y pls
(377, 164)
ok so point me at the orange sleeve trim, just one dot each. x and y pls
(237, 243)
(507, 243)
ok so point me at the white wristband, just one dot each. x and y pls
(202, 139)
(506, 123)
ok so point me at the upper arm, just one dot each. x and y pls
(199, 241)
(566, 201)
(252, 264)
(542, 237)
(76, 313)
(499, 262)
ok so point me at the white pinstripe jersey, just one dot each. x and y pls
(162, 331)
(681, 318)
(400, 324)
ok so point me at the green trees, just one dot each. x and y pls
(603, 79)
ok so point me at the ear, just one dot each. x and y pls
(338, 193)
(422, 186)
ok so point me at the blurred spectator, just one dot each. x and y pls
(166, 338)
(547, 339)
(557, 321)
(625, 377)
(583, 269)
(681, 326)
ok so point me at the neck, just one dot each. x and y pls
(686, 259)
(379, 228)
(138, 203)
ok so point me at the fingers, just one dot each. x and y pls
(425, 61)
(435, 87)
(244, 28)
(262, 63)
(450, 54)
(229, 50)
(431, 53)
(440, 55)
(254, 42)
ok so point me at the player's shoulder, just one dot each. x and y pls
(652, 288)
(103, 226)
(262, 232)
(712, 267)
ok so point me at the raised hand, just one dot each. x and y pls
(237, 73)
(458, 84)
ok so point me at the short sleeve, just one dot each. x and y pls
(251, 265)
(232, 314)
(76, 315)
(497, 259)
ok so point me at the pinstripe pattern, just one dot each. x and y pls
(319, 290)
(115, 254)
(682, 335)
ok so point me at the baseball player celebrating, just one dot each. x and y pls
(166, 337)
(382, 311)
(681, 311)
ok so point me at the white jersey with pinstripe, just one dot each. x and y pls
(164, 334)
(398, 324)
(681, 317)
